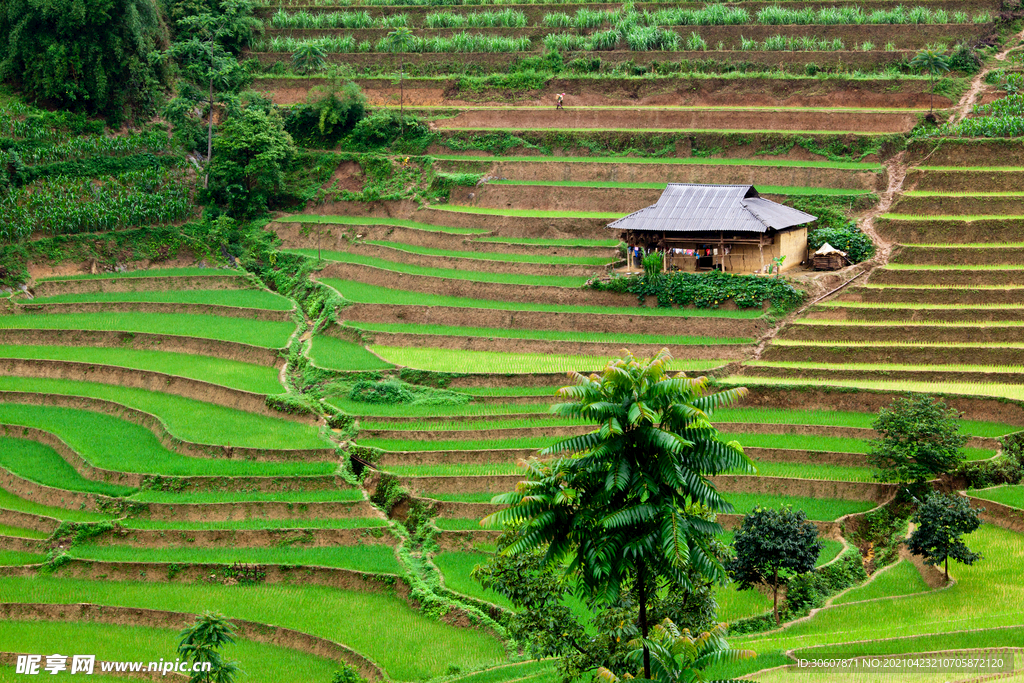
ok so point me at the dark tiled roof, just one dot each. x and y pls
(705, 208)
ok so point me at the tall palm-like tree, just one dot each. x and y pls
(398, 42)
(621, 506)
(933, 63)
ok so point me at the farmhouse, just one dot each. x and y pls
(715, 227)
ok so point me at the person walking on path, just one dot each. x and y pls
(558, 100)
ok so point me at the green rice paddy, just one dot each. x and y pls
(358, 292)
(370, 220)
(43, 465)
(1007, 495)
(20, 557)
(596, 261)
(255, 332)
(763, 189)
(456, 569)
(376, 559)
(20, 532)
(339, 354)
(259, 379)
(550, 242)
(841, 419)
(213, 497)
(449, 360)
(239, 298)
(154, 272)
(684, 161)
(469, 470)
(446, 273)
(526, 213)
(257, 523)
(1011, 391)
(901, 579)
(186, 418)
(825, 509)
(555, 335)
(9, 501)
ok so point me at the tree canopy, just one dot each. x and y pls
(942, 519)
(920, 439)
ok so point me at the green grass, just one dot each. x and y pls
(891, 367)
(343, 402)
(9, 501)
(451, 360)
(447, 273)
(358, 292)
(464, 497)
(542, 671)
(43, 465)
(259, 662)
(526, 213)
(803, 471)
(22, 533)
(155, 272)
(531, 421)
(376, 559)
(456, 567)
(256, 523)
(338, 354)
(458, 524)
(986, 595)
(369, 220)
(685, 161)
(110, 443)
(596, 261)
(763, 189)
(1007, 495)
(240, 298)
(467, 470)
(549, 242)
(510, 391)
(1011, 391)
(837, 418)
(824, 509)
(186, 418)
(259, 379)
(207, 497)
(834, 444)
(554, 335)
(416, 647)
(18, 557)
(456, 445)
(901, 579)
(272, 335)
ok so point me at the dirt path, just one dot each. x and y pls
(978, 83)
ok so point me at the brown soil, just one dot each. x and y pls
(475, 434)
(960, 206)
(826, 529)
(478, 290)
(903, 333)
(393, 458)
(949, 257)
(924, 231)
(246, 538)
(518, 226)
(244, 353)
(25, 520)
(837, 373)
(551, 198)
(139, 284)
(23, 545)
(151, 381)
(1003, 180)
(1001, 515)
(469, 484)
(965, 152)
(961, 296)
(65, 268)
(136, 616)
(348, 176)
(224, 512)
(521, 118)
(47, 495)
(456, 510)
(804, 488)
(840, 354)
(947, 278)
(963, 315)
(534, 320)
(817, 397)
(721, 352)
(157, 427)
(465, 541)
(146, 307)
(626, 172)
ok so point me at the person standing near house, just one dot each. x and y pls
(558, 100)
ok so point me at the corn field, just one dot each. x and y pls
(88, 145)
(793, 44)
(324, 20)
(458, 43)
(61, 206)
(506, 18)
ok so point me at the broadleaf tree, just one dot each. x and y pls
(771, 547)
(941, 521)
(622, 507)
(920, 439)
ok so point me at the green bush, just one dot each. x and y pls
(848, 238)
(653, 264)
(389, 392)
(706, 290)
(328, 115)
(382, 127)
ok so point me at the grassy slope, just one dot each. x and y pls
(186, 418)
(255, 332)
(42, 464)
(237, 375)
(338, 354)
(902, 579)
(416, 646)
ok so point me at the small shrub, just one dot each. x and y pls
(849, 238)
(390, 392)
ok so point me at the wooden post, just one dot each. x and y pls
(760, 249)
(721, 250)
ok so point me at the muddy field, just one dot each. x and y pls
(1003, 180)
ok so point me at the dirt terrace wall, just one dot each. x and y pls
(826, 529)
(958, 256)
(626, 172)
(949, 231)
(23, 545)
(1001, 515)
(966, 152)
(959, 205)
(536, 320)
(139, 284)
(243, 353)
(947, 278)
(225, 512)
(692, 119)
(150, 307)
(1003, 180)
(160, 382)
(895, 354)
(816, 397)
(684, 351)
(924, 315)
(730, 36)
(477, 290)
(159, 429)
(136, 616)
(479, 265)
(838, 373)
(958, 334)
(961, 296)
(24, 520)
(497, 455)
(245, 538)
(499, 62)
(139, 480)
(476, 434)
(552, 198)
(520, 226)
(456, 510)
